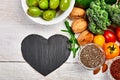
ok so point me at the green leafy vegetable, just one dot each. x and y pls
(114, 12)
(74, 44)
(83, 3)
(86, 3)
(98, 18)
(110, 1)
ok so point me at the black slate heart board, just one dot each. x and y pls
(45, 55)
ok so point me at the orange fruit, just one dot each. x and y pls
(111, 50)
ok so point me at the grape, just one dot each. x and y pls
(54, 4)
(43, 4)
(64, 4)
(34, 11)
(32, 3)
(49, 14)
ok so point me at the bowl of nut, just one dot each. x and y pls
(47, 12)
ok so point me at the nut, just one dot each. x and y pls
(96, 71)
(104, 67)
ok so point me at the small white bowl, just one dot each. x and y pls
(59, 17)
(110, 63)
(102, 59)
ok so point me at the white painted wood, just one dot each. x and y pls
(68, 71)
(14, 27)
(12, 36)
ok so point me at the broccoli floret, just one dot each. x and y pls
(119, 4)
(94, 29)
(98, 18)
(116, 18)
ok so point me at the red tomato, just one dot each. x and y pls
(118, 33)
(109, 36)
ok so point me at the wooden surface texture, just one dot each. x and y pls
(14, 27)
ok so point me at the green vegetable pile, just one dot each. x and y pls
(74, 44)
(114, 12)
(98, 18)
(102, 15)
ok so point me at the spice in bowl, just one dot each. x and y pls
(92, 56)
(115, 69)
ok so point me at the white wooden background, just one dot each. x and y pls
(14, 27)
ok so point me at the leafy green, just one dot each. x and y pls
(110, 1)
(83, 3)
(98, 18)
(114, 12)
(86, 3)
(72, 39)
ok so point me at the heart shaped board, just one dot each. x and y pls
(45, 55)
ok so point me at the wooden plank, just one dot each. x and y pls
(17, 71)
(12, 36)
(12, 12)
(15, 26)
(68, 71)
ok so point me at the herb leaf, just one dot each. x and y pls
(74, 44)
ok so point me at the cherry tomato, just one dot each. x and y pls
(118, 33)
(99, 39)
(109, 36)
(111, 50)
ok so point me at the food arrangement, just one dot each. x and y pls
(95, 22)
(47, 9)
(55, 11)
